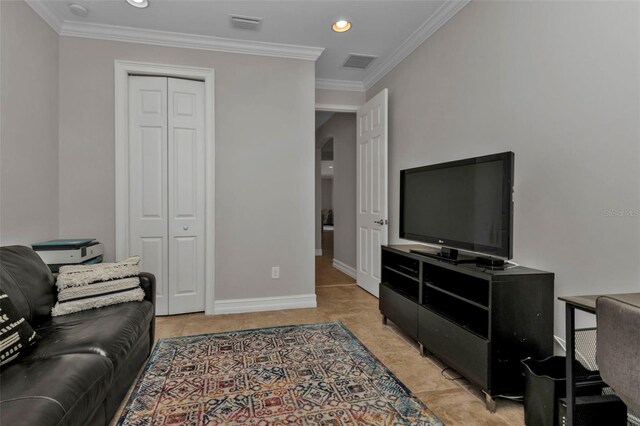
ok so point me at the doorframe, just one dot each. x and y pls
(122, 71)
(336, 108)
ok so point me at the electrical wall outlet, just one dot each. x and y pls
(275, 272)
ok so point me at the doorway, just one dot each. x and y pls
(335, 198)
(164, 180)
(369, 199)
(326, 203)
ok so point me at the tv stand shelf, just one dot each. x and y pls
(482, 322)
(448, 293)
(402, 273)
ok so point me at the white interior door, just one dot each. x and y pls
(371, 190)
(167, 188)
(148, 184)
(186, 196)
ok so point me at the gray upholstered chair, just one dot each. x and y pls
(618, 347)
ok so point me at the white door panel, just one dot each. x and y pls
(363, 172)
(151, 168)
(148, 208)
(186, 257)
(186, 195)
(166, 188)
(376, 242)
(152, 254)
(376, 176)
(372, 190)
(363, 264)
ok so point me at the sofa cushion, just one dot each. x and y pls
(110, 331)
(16, 335)
(28, 281)
(61, 390)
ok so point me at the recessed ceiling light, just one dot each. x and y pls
(341, 26)
(79, 10)
(141, 4)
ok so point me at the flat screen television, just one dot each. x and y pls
(465, 204)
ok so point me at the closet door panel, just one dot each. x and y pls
(186, 171)
(148, 184)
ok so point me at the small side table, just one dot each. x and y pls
(585, 304)
(582, 303)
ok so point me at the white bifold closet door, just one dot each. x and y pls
(167, 188)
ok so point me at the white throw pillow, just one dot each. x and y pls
(82, 287)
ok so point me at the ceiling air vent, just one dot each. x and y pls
(359, 61)
(245, 22)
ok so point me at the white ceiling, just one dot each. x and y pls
(387, 29)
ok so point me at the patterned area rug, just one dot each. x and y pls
(315, 374)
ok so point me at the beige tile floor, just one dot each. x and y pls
(456, 402)
(326, 274)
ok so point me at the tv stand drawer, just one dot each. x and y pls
(463, 350)
(399, 309)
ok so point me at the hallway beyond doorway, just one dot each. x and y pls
(326, 274)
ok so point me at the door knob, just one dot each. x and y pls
(379, 222)
(185, 228)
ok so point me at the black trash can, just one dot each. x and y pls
(545, 383)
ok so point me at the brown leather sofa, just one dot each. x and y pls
(80, 370)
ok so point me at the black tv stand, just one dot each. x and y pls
(478, 320)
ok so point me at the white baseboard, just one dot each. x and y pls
(318, 252)
(259, 304)
(343, 267)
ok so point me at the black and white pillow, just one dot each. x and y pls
(16, 334)
(82, 287)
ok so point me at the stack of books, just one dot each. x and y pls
(81, 251)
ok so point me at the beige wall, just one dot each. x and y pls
(29, 135)
(264, 159)
(558, 83)
(327, 193)
(342, 128)
(339, 97)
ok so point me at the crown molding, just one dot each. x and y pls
(47, 13)
(345, 85)
(221, 44)
(189, 41)
(170, 39)
(419, 36)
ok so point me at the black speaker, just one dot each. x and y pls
(596, 410)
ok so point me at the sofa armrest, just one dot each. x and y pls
(148, 284)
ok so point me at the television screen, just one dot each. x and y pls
(464, 204)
